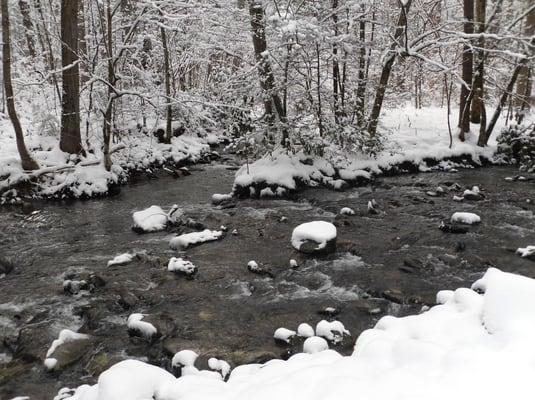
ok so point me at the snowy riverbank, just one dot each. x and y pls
(415, 140)
(475, 343)
(62, 175)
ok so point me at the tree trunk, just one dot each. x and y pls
(70, 140)
(523, 99)
(28, 26)
(267, 79)
(167, 79)
(477, 84)
(27, 162)
(387, 69)
(336, 66)
(361, 85)
(467, 70)
(108, 114)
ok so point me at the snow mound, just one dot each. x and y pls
(135, 323)
(121, 259)
(477, 344)
(333, 331)
(466, 218)
(184, 358)
(347, 211)
(188, 239)
(284, 334)
(221, 366)
(526, 251)
(181, 265)
(315, 344)
(151, 219)
(305, 330)
(320, 232)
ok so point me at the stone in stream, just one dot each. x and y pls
(253, 267)
(70, 352)
(394, 295)
(452, 228)
(315, 238)
(6, 266)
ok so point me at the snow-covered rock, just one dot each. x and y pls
(315, 237)
(347, 211)
(293, 264)
(184, 358)
(179, 265)
(526, 252)
(65, 337)
(465, 218)
(333, 331)
(305, 330)
(137, 326)
(315, 344)
(188, 239)
(153, 219)
(221, 366)
(474, 194)
(121, 259)
(218, 198)
(284, 335)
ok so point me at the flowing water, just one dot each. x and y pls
(390, 263)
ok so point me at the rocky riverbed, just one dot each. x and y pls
(389, 261)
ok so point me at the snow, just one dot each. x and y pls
(181, 265)
(135, 323)
(412, 135)
(50, 363)
(184, 358)
(465, 218)
(315, 344)
(293, 263)
(221, 366)
(526, 251)
(320, 232)
(153, 219)
(347, 211)
(333, 331)
(188, 239)
(121, 259)
(473, 344)
(65, 336)
(284, 334)
(305, 330)
(220, 198)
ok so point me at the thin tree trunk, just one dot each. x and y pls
(387, 69)
(467, 70)
(523, 100)
(361, 85)
(167, 79)
(108, 113)
(477, 84)
(27, 162)
(70, 139)
(28, 26)
(336, 66)
(318, 90)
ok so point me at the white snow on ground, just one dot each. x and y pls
(65, 336)
(412, 135)
(154, 218)
(315, 344)
(188, 239)
(138, 151)
(284, 334)
(465, 218)
(135, 323)
(526, 251)
(317, 231)
(121, 259)
(181, 265)
(473, 346)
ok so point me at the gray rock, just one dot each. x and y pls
(311, 247)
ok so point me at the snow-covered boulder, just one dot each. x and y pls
(179, 265)
(220, 366)
(137, 327)
(333, 331)
(305, 330)
(465, 218)
(284, 335)
(347, 211)
(184, 358)
(66, 349)
(526, 252)
(315, 344)
(218, 198)
(473, 195)
(121, 259)
(154, 219)
(186, 240)
(315, 237)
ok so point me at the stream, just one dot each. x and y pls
(393, 263)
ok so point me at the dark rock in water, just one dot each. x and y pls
(6, 266)
(198, 226)
(311, 247)
(412, 263)
(408, 270)
(12, 370)
(127, 300)
(472, 196)
(241, 357)
(460, 246)
(259, 270)
(74, 287)
(32, 342)
(71, 352)
(348, 246)
(329, 312)
(163, 323)
(394, 295)
(452, 228)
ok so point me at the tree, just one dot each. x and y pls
(28, 26)
(467, 70)
(524, 86)
(28, 163)
(477, 85)
(70, 139)
(167, 79)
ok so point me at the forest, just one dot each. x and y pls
(194, 194)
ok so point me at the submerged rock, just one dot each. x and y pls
(6, 266)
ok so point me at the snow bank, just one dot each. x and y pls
(414, 141)
(477, 344)
(465, 218)
(188, 239)
(320, 232)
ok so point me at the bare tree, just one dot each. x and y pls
(523, 99)
(478, 78)
(167, 79)
(467, 70)
(28, 26)
(28, 163)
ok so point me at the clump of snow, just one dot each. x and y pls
(347, 211)
(121, 259)
(284, 334)
(188, 239)
(315, 344)
(154, 218)
(221, 366)
(65, 336)
(50, 363)
(458, 198)
(320, 232)
(526, 251)
(293, 263)
(135, 323)
(333, 331)
(181, 265)
(220, 198)
(184, 358)
(465, 218)
(305, 330)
